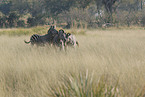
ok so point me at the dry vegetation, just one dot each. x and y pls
(116, 55)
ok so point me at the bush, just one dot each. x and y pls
(21, 23)
(12, 19)
(31, 21)
(78, 17)
(84, 85)
(143, 21)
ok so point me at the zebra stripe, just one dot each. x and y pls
(35, 37)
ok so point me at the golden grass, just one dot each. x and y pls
(27, 71)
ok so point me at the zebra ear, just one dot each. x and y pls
(62, 30)
(52, 27)
(68, 34)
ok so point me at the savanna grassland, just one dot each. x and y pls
(108, 63)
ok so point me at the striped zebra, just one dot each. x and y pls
(60, 39)
(40, 40)
(71, 40)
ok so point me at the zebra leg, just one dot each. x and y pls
(32, 44)
(77, 43)
(65, 46)
(61, 45)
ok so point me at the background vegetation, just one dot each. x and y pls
(72, 13)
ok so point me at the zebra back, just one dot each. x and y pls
(34, 38)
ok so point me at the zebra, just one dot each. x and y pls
(60, 39)
(52, 32)
(40, 40)
(71, 40)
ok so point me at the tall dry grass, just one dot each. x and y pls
(117, 55)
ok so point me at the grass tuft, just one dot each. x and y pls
(84, 85)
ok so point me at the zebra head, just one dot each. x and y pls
(62, 35)
(71, 40)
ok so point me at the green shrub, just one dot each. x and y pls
(143, 21)
(39, 30)
(21, 23)
(84, 85)
(16, 32)
(31, 22)
(24, 31)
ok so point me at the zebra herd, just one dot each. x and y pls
(53, 37)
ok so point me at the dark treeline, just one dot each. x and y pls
(72, 13)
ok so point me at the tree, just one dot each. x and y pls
(3, 21)
(57, 6)
(21, 23)
(21, 6)
(12, 19)
(108, 5)
(83, 3)
(37, 7)
(5, 7)
(31, 22)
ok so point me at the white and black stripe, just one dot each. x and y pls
(71, 40)
(59, 39)
(42, 39)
